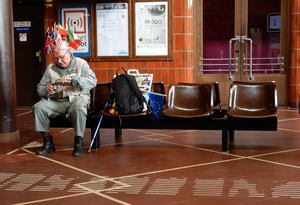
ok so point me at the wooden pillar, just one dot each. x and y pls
(8, 127)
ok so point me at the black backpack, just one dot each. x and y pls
(126, 94)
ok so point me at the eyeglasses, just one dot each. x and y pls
(60, 57)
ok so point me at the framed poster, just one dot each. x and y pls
(112, 29)
(151, 33)
(77, 17)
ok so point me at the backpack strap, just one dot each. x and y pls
(117, 72)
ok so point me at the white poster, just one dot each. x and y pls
(151, 28)
(112, 29)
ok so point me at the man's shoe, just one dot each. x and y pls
(78, 147)
(47, 147)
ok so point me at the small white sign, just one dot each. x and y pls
(22, 24)
(23, 36)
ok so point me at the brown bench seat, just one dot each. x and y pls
(259, 114)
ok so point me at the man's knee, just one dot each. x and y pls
(46, 108)
(37, 107)
(77, 113)
(79, 107)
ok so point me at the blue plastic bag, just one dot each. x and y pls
(156, 103)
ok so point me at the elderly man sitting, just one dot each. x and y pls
(64, 89)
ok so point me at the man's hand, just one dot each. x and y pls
(50, 89)
(64, 79)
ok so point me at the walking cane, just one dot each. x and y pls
(98, 126)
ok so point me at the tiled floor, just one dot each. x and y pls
(155, 167)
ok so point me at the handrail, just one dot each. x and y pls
(264, 64)
(223, 70)
(271, 58)
(237, 38)
(216, 59)
(277, 61)
(215, 64)
(251, 78)
(271, 69)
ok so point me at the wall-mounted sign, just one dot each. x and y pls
(22, 29)
(77, 17)
(22, 24)
(112, 29)
(23, 37)
(151, 29)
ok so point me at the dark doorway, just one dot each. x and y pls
(29, 40)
